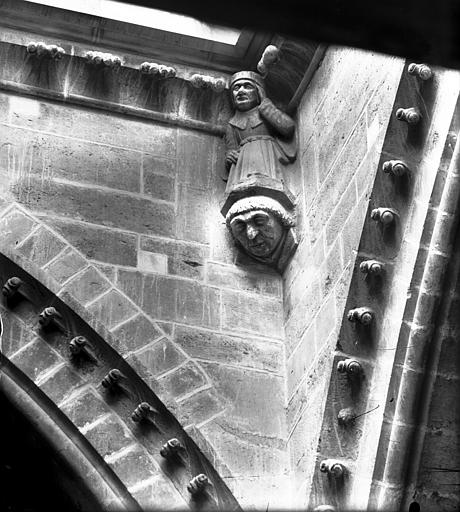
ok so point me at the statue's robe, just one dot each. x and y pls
(264, 138)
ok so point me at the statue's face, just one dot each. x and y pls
(245, 95)
(259, 232)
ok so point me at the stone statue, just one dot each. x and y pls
(258, 207)
(263, 229)
(259, 139)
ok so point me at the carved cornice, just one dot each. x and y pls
(115, 82)
(108, 35)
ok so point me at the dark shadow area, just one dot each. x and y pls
(417, 29)
(32, 479)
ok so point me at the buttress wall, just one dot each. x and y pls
(342, 120)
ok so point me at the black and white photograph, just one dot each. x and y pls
(230, 256)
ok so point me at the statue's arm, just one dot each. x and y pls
(277, 119)
(231, 155)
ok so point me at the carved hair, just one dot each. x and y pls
(264, 203)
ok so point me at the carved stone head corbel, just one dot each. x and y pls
(263, 229)
(258, 207)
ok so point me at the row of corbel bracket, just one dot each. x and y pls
(99, 59)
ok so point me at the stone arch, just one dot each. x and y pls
(101, 487)
(104, 418)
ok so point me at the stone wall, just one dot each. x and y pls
(139, 201)
(342, 121)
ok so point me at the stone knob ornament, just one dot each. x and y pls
(395, 168)
(172, 448)
(408, 115)
(332, 468)
(421, 71)
(42, 49)
(144, 411)
(346, 416)
(112, 379)
(78, 344)
(385, 216)
(11, 287)
(49, 316)
(350, 366)
(198, 484)
(363, 315)
(372, 267)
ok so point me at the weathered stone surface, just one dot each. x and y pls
(41, 247)
(159, 357)
(14, 227)
(297, 321)
(87, 286)
(85, 409)
(301, 359)
(242, 454)
(15, 334)
(197, 305)
(302, 274)
(303, 442)
(61, 384)
(195, 155)
(257, 493)
(341, 175)
(161, 495)
(109, 271)
(132, 284)
(229, 276)
(331, 269)
(351, 235)
(112, 309)
(246, 395)
(223, 247)
(109, 435)
(201, 406)
(265, 318)
(441, 448)
(35, 359)
(135, 333)
(159, 186)
(84, 124)
(184, 379)
(339, 216)
(444, 409)
(192, 224)
(325, 322)
(152, 262)
(98, 206)
(66, 265)
(212, 346)
(184, 301)
(183, 259)
(152, 164)
(165, 298)
(50, 156)
(98, 243)
(135, 467)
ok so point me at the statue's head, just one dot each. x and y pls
(247, 90)
(258, 224)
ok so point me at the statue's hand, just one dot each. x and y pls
(231, 157)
